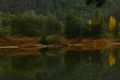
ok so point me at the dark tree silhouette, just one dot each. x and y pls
(98, 3)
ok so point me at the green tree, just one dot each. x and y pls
(116, 32)
(5, 25)
(96, 26)
(52, 26)
(27, 24)
(72, 26)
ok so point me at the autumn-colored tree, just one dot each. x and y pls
(112, 23)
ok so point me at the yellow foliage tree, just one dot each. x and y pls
(112, 23)
(90, 22)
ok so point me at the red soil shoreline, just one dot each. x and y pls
(33, 41)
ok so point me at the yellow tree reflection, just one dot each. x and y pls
(112, 59)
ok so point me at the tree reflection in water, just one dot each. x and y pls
(54, 64)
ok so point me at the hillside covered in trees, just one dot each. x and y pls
(60, 7)
(52, 19)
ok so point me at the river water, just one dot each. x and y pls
(60, 64)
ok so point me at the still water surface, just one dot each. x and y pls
(60, 64)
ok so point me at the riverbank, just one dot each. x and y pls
(35, 42)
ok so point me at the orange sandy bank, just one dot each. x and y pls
(62, 41)
(18, 41)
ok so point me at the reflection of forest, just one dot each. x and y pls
(51, 65)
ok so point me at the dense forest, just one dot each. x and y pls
(60, 7)
(50, 19)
